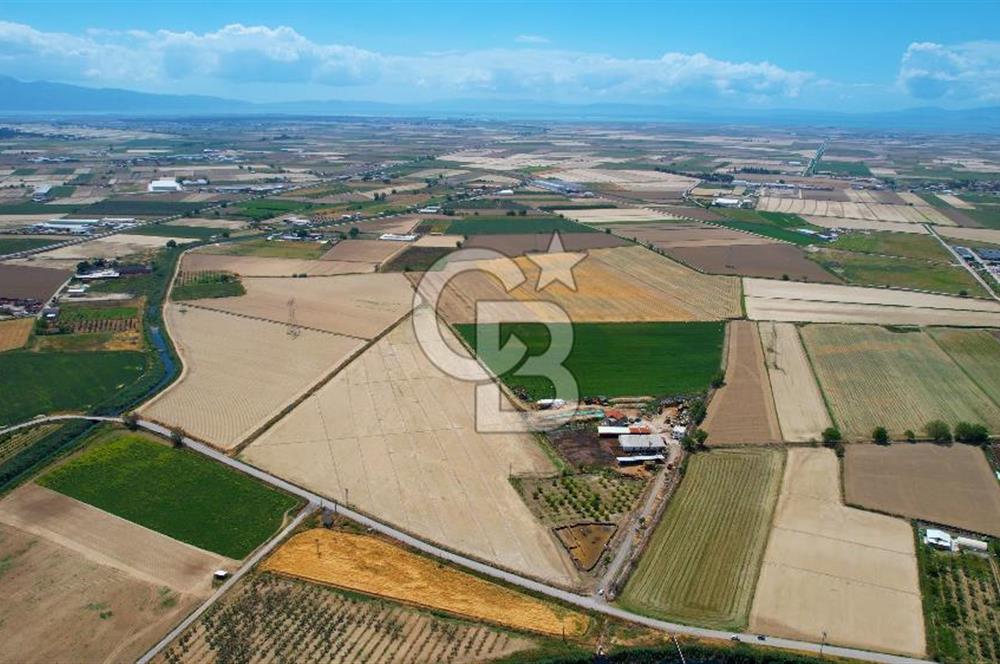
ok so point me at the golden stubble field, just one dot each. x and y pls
(260, 266)
(14, 333)
(837, 573)
(802, 412)
(239, 372)
(396, 437)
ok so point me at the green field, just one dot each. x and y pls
(701, 564)
(977, 352)
(779, 225)
(850, 168)
(873, 270)
(173, 491)
(14, 244)
(193, 232)
(24, 171)
(266, 208)
(484, 225)
(24, 451)
(111, 208)
(416, 259)
(621, 359)
(272, 249)
(206, 285)
(77, 313)
(38, 383)
(907, 245)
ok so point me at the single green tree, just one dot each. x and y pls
(973, 434)
(831, 436)
(880, 436)
(938, 431)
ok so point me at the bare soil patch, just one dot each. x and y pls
(364, 251)
(836, 571)
(686, 234)
(742, 410)
(24, 282)
(582, 447)
(113, 246)
(586, 542)
(948, 485)
(254, 266)
(774, 261)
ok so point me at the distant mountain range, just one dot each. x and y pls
(43, 98)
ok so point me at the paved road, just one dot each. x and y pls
(585, 602)
(56, 418)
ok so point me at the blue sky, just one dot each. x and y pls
(819, 55)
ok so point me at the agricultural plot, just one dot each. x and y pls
(14, 333)
(774, 261)
(263, 248)
(952, 486)
(629, 180)
(206, 284)
(573, 498)
(687, 234)
(513, 244)
(205, 222)
(615, 215)
(360, 305)
(253, 266)
(962, 607)
(99, 614)
(897, 272)
(768, 299)
(374, 566)
(24, 282)
(977, 352)
(617, 359)
(778, 225)
(416, 259)
(702, 561)
(297, 621)
(972, 235)
(13, 245)
(397, 437)
(364, 251)
(912, 214)
(111, 247)
(61, 382)
(872, 377)
(802, 413)
(742, 411)
(905, 245)
(868, 225)
(15, 442)
(222, 395)
(176, 233)
(517, 225)
(173, 491)
(836, 574)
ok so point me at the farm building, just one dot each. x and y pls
(165, 185)
(642, 443)
(938, 538)
(559, 186)
(639, 458)
(41, 193)
(71, 226)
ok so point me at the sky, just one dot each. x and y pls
(839, 55)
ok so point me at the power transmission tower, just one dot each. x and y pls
(293, 327)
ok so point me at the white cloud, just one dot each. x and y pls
(958, 72)
(531, 39)
(238, 55)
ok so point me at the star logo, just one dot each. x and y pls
(556, 264)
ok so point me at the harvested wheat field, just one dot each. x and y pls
(14, 333)
(834, 570)
(239, 372)
(956, 202)
(518, 244)
(948, 485)
(200, 222)
(400, 436)
(770, 299)
(977, 352)
(614, 215)
(742, 410)
(255, 266)
(972, 235)
(357, 305)
(872, 377)
(364, 251)
(371, 565)
(774, 261)
(623, 284)
(62, 605)
(912, 214)
(113, 246)
(688, 234)
(867, 225)
(802, 413)
(285, 619)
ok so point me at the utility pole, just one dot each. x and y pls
(678, 646)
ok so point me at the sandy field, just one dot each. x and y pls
(829, 568)
(610, 215)
(956, 202)
(620, 284)
(517, 244)
(769, 299)
(948, 485)
(652, 181)
(113, 246)
(802, 413)
(399, 435)
(972, 235)
(24, 281)
(742, 410)
(437, 172)
(394, 189)
(14, 333)
(239, 372)
(200, 222)
(774, 261)
(356, 305)
(913, 214)
(873, 377)
(253, 266)
(61, 606)
(364, 251)
(867, 225)
(375, 566)
(688, 234)
(443, 240)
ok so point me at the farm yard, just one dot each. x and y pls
(617, 359)
(370, 565)
(946, 485)
(573, 498)
(742, 410)
(702, 561)
(292, 620)
(397, 437)
(872, 376)
(836, 571)
(172, 491)
(111, 247)
(802, 413)
(213, 399)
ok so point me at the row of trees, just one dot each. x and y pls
(936, 431)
